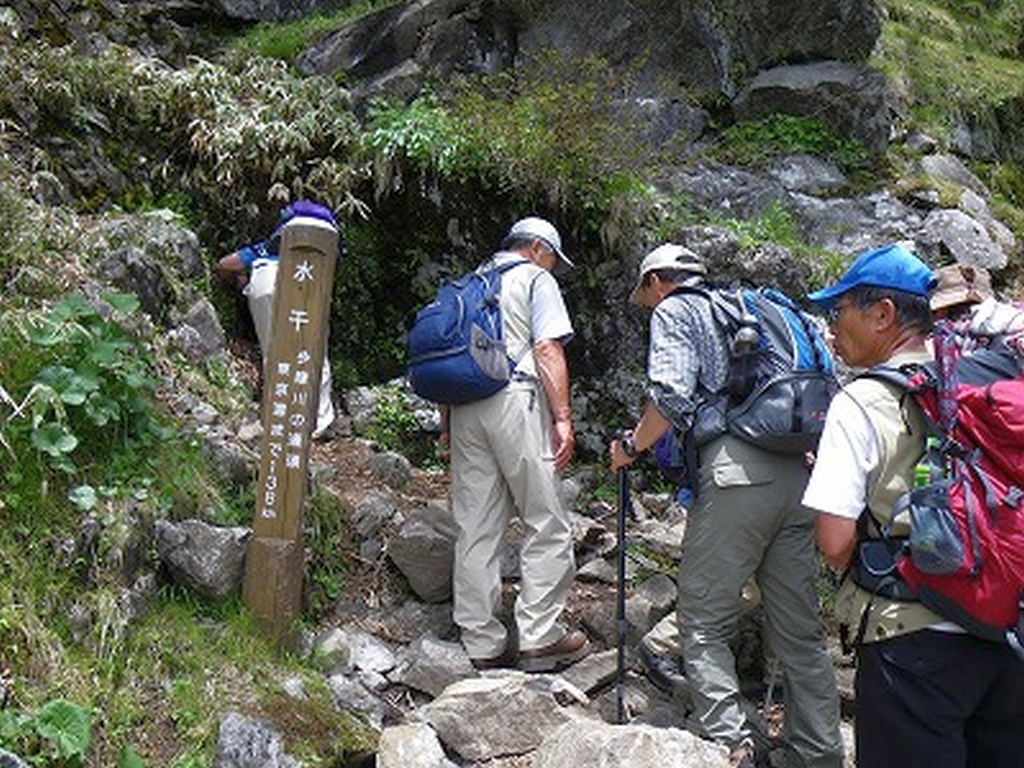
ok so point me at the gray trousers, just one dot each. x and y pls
(749, 522)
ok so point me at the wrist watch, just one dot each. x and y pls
(629, 447)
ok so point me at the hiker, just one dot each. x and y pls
(963, 294)
(255, 265)
(927, 693)
(746, 522)
(506, 454)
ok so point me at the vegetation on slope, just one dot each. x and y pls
(84, 435)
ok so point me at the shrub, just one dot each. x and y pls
(758, 143)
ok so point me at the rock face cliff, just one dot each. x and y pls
(710, 46)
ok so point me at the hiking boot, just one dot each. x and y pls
(663, 671)
(742, 756)
(503, 660)
(747, 755)
(551, 658)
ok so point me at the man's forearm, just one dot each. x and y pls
(554, 377)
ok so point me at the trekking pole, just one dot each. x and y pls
(625, 507)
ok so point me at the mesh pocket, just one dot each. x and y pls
(935, 542)
(744, 370)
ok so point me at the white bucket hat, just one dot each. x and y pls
(541, 229)
(669, 257)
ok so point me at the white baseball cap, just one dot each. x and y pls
(541, 229)
(670, 257)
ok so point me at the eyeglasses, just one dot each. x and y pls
(836, 312)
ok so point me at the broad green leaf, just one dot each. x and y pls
(102, 410)
(129, 758)
(121, 303)
(71, 385)
(66, 726)
(83, 497)
(106, 353)
(54, 439)
(72, 307)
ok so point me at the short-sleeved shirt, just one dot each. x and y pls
(849, 472)
(532, 309)
(256, 255)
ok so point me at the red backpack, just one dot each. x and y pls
(964, 557)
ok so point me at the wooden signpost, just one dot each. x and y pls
(274, 565)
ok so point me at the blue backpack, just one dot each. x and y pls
(456, 351)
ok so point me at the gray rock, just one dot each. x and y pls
(343, 650)
(352, 696)
(485, 718)
(206, 558)
(965, 238)
(851, 99)
(713, 45)
(423, 550)
(200, 336)
(11, 760)
(431, 665)
(244, 742)
(411, 745)
(950, 169)
(391, 468)
(373, 512)
(804, 173)
(583, 742)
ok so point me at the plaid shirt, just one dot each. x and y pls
(688, 357)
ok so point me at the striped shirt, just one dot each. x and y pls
(688, 357)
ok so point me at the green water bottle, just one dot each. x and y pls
(922, 475)
(928, 469)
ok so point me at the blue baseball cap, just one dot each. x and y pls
(891, 266)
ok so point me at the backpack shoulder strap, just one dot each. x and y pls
(891, 374)
(726, 314)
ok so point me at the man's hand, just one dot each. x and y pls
(444, 439)
(617, 457)
(564, 443)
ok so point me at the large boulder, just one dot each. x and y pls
(849, 98)
(711, 46)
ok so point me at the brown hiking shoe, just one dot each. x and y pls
(551, 658)
(506, 658)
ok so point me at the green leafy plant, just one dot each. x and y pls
(285, 40)
(57, 735)
(553, 132)
(92, 391)
(423, 133)
(953, 63)
(328, 532)
(393, 419)
(758, 143)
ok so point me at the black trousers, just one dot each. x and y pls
(939, 700)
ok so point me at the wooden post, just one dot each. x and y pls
(274, 563)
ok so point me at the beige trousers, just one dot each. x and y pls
(502, 464)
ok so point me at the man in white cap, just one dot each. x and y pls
(746, 522)
(506, 453)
